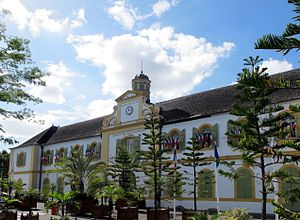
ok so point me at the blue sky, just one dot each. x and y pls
(94, 48)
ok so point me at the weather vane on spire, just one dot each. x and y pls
(142, 66)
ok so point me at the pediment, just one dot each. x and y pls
(129, 95)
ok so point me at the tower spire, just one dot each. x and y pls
(142, 66)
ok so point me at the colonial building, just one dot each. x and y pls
(205, 114)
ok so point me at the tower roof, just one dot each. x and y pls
(141, 76)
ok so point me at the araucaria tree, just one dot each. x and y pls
(262, 122)
(288, 40)
(194, 158)
(16, 72)
(154, 166)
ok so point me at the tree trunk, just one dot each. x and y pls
(263, 190)
(195, 189)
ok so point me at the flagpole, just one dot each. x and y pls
(217, 190)
(216, 154)
(174, 178)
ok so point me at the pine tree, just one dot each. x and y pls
(155, 163)
(194, 158)
(263, 122)
(288, 40)
(123, 168)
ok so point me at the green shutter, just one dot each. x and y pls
(297, 119)
(65, 152)
(137, 142)
(195, 131)
(206, 185)
(292, 171)
(214, 132)
(182, 140)
(244, 184)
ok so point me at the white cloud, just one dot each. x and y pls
(100, 107)
(56, 83)
(80, 18)
(127, 16)
(161, 7)
(276, 66)
(122, 14)
(40, 19)
(175, 62)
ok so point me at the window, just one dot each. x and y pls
(47, 158)
(60, 184)
(244, 184)
(46, 185)
(174, 138)
(21, 159)
(206, 184)
(294, 172)
(131, 143)
(290, 130)
(206, 135)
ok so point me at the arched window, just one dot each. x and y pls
(244, 184)
(176, 138)
(206, 135)
(206, 184)
(46, 185)
(131, 143)
(289, 131)
(60, 184)
(286, 186)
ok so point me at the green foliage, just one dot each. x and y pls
(4, 164)
(6, 202)
(17, 71)
(199, 216)
(174, 184)
(155, 162)
(123, 168)
(284, 213)
(262, 124)
(79, 170)
(236, 214)
(112, 191)
(63, 199)
(288, 40)
(194, 158)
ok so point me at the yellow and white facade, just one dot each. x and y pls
(205, 113)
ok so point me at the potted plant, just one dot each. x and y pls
(29, 199)
(155, 162)
(112, 192)
(62, 200)
(5, 204)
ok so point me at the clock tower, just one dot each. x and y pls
(126, 124)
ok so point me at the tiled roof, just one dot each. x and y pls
(219, 100)
(79, 130)
(197, 105)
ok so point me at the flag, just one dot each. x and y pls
(217, 158)
(174, 157)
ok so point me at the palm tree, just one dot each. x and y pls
(63, 199)
(288, 40)
(78, 170)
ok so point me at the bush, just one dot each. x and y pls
(236, 214)
(199, 216)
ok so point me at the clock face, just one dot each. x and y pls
(129, 110)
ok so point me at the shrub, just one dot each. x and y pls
(236, 214)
